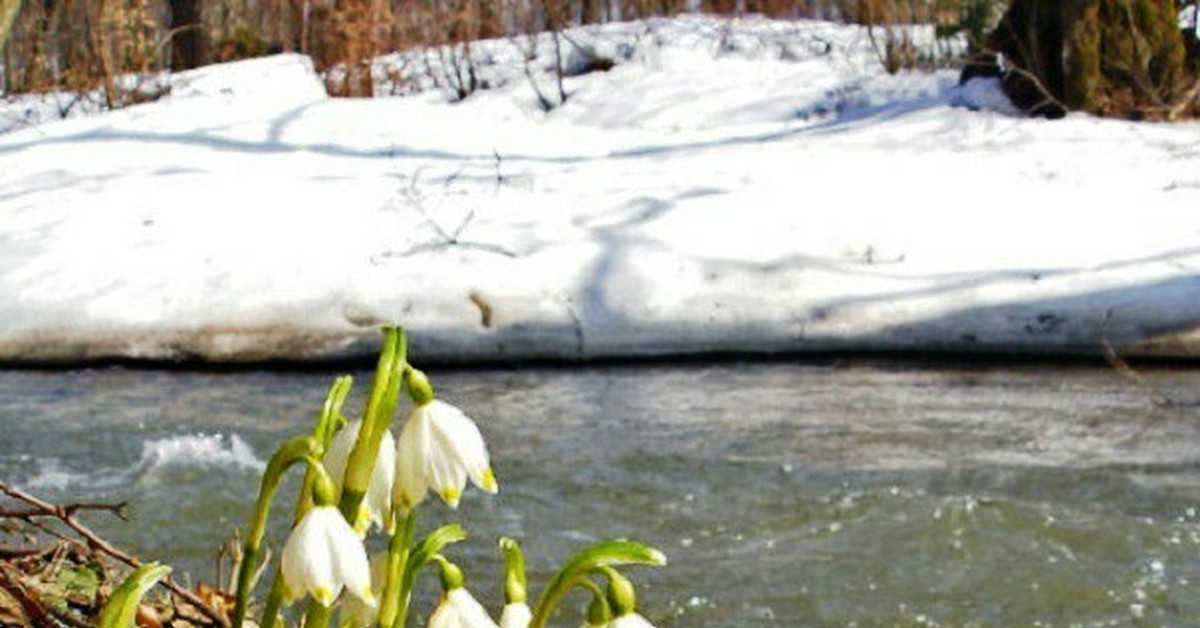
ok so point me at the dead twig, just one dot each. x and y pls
(95, 542)
(119, 510)
(1122, 367)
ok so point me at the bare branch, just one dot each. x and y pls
(1122, 367)
(95, 542)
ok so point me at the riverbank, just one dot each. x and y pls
(751, 187)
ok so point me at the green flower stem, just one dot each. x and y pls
(274, 602)
(393, 609)
(295, 450)
(381, 405)
(575, 572)
(329, 421)
(416, 559)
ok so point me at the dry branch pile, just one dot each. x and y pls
(55, 571)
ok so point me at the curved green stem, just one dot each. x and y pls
(381, 405)
(575, 572)
(295, 450)
(329, 421)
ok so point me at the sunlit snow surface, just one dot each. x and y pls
(728, 186)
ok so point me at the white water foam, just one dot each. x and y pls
(200, 450)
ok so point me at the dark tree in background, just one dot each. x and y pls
(1121, 58)
(187, 36)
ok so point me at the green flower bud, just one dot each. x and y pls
(514, 572)
(621, 596)
(419, 388)
(452, 576)
(598, 613)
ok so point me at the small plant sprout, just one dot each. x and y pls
(359, 477)
(121, 609)
(439, 449)
(458, 608)
(324, 554)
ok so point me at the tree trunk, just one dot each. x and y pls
(187, 41)
(8, 15)
(1124, 58)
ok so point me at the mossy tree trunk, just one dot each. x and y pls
(1125, 58)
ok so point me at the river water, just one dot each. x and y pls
(858, 494)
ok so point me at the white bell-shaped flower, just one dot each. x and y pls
(377, 505)
(630, 620)
(439, 449)
(458, 609)
(322, 556)
(516, 615)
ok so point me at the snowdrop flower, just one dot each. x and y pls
(516, 615)
(377, 506)
(439, 449)
(459, 609)
(322, 556)
(630, 620)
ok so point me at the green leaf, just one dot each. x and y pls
(603, 554)
(435, 542)
(121, 609)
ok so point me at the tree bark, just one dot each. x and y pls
(8, 15)
(1121, 58)
(187, 36)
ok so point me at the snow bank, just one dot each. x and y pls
(776, 195)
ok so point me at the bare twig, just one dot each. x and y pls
(118, 510)
(1122, 367)
(95, 542)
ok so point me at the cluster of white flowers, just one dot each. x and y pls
(439, 450)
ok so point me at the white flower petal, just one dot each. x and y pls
(338, 454)
(458, 609)
(439, 449)
(630, 620)
(516, 615)
(379, 492)
(322, 555)
(459, 437)
(412, 450)
(359, 613)
(350, 565)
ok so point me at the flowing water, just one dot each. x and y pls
(784, 495)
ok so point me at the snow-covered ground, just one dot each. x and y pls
(728, 186)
